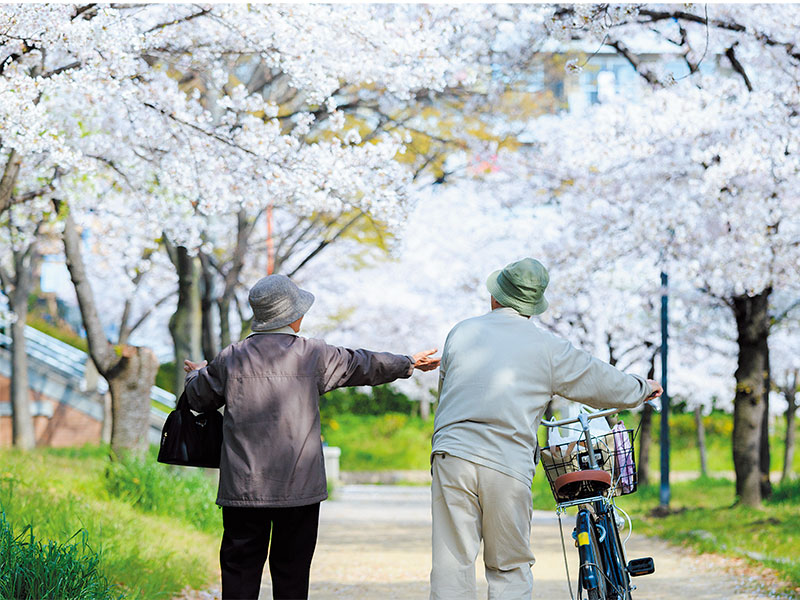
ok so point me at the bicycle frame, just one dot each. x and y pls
(603, 573)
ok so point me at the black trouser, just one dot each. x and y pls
(245, 544)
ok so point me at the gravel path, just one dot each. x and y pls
(374, 544)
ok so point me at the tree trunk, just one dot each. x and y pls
(646, 430)
(186, 323)
(645, 443)
(612, 420)
(130, 382)
(9, 179)
(23, 435)
(752, 323)
(244, 229)
(207, 306)
(765, 458)
(424, 409)
(224, 305)
(701, 441)
(108, 419)
(21, 420)
(130, 371)
(790, 392)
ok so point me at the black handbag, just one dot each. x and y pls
(189, 439)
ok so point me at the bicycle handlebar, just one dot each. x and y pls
(602, 413)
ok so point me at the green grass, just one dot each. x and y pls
(178, 492)
(684, 454)
(149, 548)
(396, 440)
(705, 518)
(380, 442)
(165, 377)
(61, 333)
(32, 569)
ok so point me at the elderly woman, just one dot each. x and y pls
(272, 474)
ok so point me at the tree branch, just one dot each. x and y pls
(280, 254)
(215, 136)
(785, 313)
(111, 164)
(655, 16)
(172, 252)
(33, 194)
(99, 347)
(5, 281)
(149, 311)
(324, 243)
(634, 61)
(243, 232)
(82, 9)
(9, 179)
(67, 67)
(737, 66)
(185, 19)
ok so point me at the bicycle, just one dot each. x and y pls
(589, 473)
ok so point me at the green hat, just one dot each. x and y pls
(521, 286)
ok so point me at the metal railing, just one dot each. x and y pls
(71, 363)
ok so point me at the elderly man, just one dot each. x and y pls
(272, 473)
(498, 373)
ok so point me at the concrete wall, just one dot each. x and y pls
(63, 414)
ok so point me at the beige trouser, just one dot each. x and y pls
(470, 502)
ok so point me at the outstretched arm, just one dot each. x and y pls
(344, 367)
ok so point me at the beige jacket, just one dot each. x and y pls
(499, 372)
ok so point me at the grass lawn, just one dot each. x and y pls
(703, 517)
(147, 555)
(380, 442)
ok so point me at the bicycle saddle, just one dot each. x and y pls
(580, 484)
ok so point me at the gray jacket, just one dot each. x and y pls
(270, 385)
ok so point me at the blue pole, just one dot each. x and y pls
(664, 494)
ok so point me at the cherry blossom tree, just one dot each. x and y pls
(97, 99)
(698, 179)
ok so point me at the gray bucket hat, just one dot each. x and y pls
(276, 301)
(521, 286)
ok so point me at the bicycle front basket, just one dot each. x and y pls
(613, 453)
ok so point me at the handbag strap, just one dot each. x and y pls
(182, 403)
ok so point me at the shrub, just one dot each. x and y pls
(31, 570)
(180, 492)
(381, 399)
(786, 493)
(165, 376)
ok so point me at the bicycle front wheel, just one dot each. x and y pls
(615, 562)
(591, 577)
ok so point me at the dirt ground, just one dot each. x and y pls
(374, 543)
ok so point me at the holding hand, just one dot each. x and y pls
(424, 362)
(657, 390)
(190, 366)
